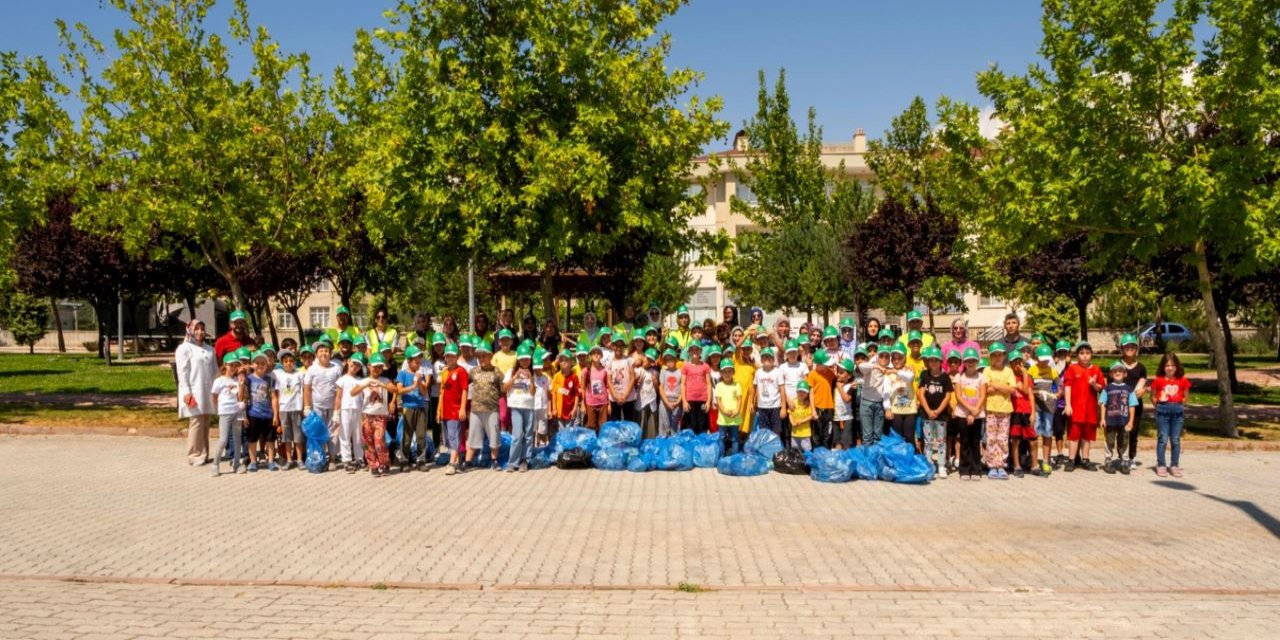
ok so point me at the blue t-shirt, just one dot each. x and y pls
(1117, 400)
(412, 399)
(260, 396)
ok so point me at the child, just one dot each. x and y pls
(728, 403)
(970, 413)
(520, 388)
(262, 419)
(622, 384)
(1022, 433)
(286, 405)
(695, 393)
(1044, 383)
(871, 405)
(821, 380)
(955, 365)
(1136, 376)
(349, 403)
(712, 355)
(1169, 392)
(900, 405)
(647, 396)
(1116, 405)
(452, 408)
(1081, 384)
(541, 398)
(1000, 390)
(307, 355)
(801, 414)
(376, 396)
(1061, 360)
(845, 392)
(318, 393)
(770, 394)
(934, 398)
(671, 385)
(744, 373)
(229, 397)
(484, 389)
(595, 385)
(414, 386)
(566, 395)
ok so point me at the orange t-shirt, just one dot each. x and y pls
(820, 383)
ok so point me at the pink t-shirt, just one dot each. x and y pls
(695, 381)
(596, 393)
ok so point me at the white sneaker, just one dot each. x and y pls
(942, 471)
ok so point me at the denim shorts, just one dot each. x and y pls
(1044, 424)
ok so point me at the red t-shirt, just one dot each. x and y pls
(1084, 400)
(568, 396)
(695, 381)
(226, 344)
(453, 383)
(1021, 402)
(1170, 389)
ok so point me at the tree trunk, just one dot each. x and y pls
(1082, 313)
(237, 293)
(545, 283)
(57, 322)
(1226, 402)
(1230, 343)
(297, 322)
(271, 324)
(190, 299)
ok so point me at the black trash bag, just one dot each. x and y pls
(573, 459)
(790, 462)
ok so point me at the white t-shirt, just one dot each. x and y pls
(228, 391)
(346, 383)
(289, 388)
(468, 365)
(648, 389)
(969, 389)
(606, 357)
(792, 374)
(541, 391)
(437, 369)
(322, 381)
(621, 374)
(521, 394)
(769, 388)
(374, 400)
(844, 410)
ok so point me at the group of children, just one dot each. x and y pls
(999, 415)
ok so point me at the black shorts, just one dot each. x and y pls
(260, 430)
(1020, 420)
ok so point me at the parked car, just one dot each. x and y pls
(1173, 333)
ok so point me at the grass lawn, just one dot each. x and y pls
(134, 417)
(48, 373)
(1195, 362)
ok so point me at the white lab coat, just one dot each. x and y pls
(197, 370)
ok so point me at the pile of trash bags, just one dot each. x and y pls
(892, 459)
(317, 433)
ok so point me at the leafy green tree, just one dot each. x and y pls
(1137, 134)
(26, 317)
(665, 280)
(902, 246)
(539, 135)
(803, 210)
(1052, 314)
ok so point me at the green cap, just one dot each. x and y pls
(359, 357)
(306, 348)
(932, 353)
(860, 350)
(671, 340)
(712, 350)
(694, 345)
(726, 363)
(581, 350)
(344, 337)
(847, 365)
(820, 357)
(238, 315)
(1044, 353)
(230, 358)
(451, 349)
(1022, 344)
(385, 347)
(566, 354)
(376, 360)
(915, 336)
(886, 333)
(914, 315)
(682, 310)
(1128, 339)
(524, 352)
(267, 346)
(502, 333)
(243, 353)
(1037, 336)
(766, 352)
(1084, 344)
(360, 340)
(1062, 345)
(802, 386)
(791, 345)
(482, 346)
(728, 350)
(342, 309)
(1017, 356)
(637, 334)
(1116, 364)
(651, 353)
(542, 354)
(898, 349)
(996, 348)
(606, 331)
(982, 363)
(597, 347)
(669, 353)
(412, 352)
(971, 354)
(830, 332)
(438, 338)
(649, 330)
(539, 358)
(847, 323)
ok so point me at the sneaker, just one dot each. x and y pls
(1004, 475)
(1045, 469)
(992, 474)
(1162, 472)
(1018, 472)
(449, 470)
(1175, 472)
(241, 469)
(511, 468)
(1110, 467)
(351, 467)
(273, 467)
(495, 466)
(524, 466)
(1090, 466)
(253, 466)
(424, 467)
(405, 467)
(216, 473)
(1069, 466)
(942, 472)
(1124, 468)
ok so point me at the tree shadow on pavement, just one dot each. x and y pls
(1251, 509)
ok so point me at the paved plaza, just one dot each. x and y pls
(116, 537)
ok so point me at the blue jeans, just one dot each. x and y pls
(871, 414)
(729, 438)
(522, 429)
(1168, 429)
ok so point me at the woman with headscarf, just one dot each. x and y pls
(196, 368)
(590, 330)
(959, 339)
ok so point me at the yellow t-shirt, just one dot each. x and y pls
(801, 419)
(998, 403)
(729, 398)
(504, 361)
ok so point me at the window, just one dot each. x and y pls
(284, 320)
(695, 190)
(360, 318)
(704, 298)
(323, 286)
(987, 302)
(319, 317)
(745, 194)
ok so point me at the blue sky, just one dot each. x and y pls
(859, 62)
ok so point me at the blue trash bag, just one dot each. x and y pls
(317, 437)
(613, 458)
(638, 463)
(895, 448)
(866, 462)
(485, 457)
(706, 450)
(620, 433)
(743, 464)
(668, 454)
(576, 438)
(826, 465)
(442, 459)
(541, 458)
(763, 443)
(915, 470)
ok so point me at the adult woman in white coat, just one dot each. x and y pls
(197, 369)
